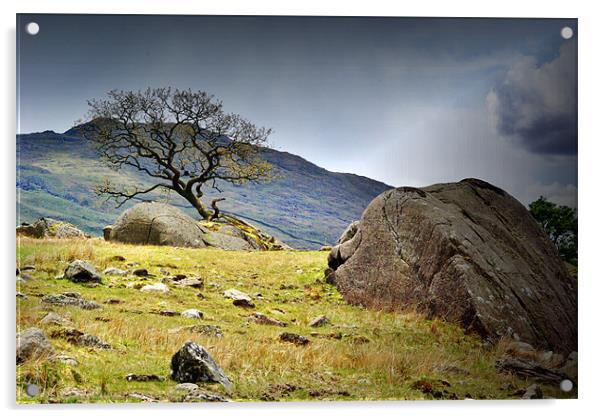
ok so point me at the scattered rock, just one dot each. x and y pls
(168, 312)
(318, 321)
(69, 299)
(48, 227)
(66, 360)
(191, 282)
(296, 339)
(53, 318)
(198, 395)
(79, 271)
(186, 387)
(260, 318)
(204, 329)
(467, 252)
(192, 364)
(157, 288)
(65, 230)
(237, 295)
(530, 369)
(140, 272)
(143, 378)
(243, 303)
(325, 248)
(533, 392)
(28, 267)
(113, 271)
(21, 296)
(112, 301)
(142, 397)
(74, 393)
(192, 313)
(79, 338)
(31, 344)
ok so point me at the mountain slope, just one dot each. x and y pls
(307, 206)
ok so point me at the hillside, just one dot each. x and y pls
(306, 207)
(357, 354)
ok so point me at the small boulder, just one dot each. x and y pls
(192, 364)
(190, 282)
(32, 343)
(186, 387)
(237, 295)
(79, 271)
(296, 339)
(192, 313)
(140, 272)
(52, 318)
(70, 299)
(155, 288)
(533, 392)
(260, 318)
(113, 271)
(318, 321)
(106, 232)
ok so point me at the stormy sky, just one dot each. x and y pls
(405, 101)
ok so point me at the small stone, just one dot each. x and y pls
(533, 392)
(200, 296)
(296, 339)
(156, 288)
(191, 282)
(70, 299)
(140, 272)
(28, 267)
(168, 312)
(142, 397)
(52, 318)
(112, 301)
(106, 232)
(318, 321)
(325, 248)
(66, 360)
(199, 395)
(186, 387)
(178, 277)
(79, 271)
(143, 378)
(243, 303)
(21, 296)
(260, 318)
(31, 344)
(112, 271)
(237, 295)
(73, 392)
(192, 313)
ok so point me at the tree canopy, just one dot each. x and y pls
(182, 140)
(560, 223)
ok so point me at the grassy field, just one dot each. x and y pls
(359, 355)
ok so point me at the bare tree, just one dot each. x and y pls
(181, 139)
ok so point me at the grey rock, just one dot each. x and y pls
(237, 295)
(31, 344)
(140, 272)
(21, 296)
(79, 271)
(204, 329)
(53, 318)
(318, 321)
(153, 223)
(262, 319)
(533, 392)
(106, 232)
(113, 271)
(467, 252)
(70, 300)
(155, 288)
(190, 282)
(66, 360)
(192, 314)
(296, 339)
(186, 387)
(199, 395)
(65, 230)
(193, 364)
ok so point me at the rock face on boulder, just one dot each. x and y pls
(79, 271)
(157, 224)
(467, 252)
(193, 364)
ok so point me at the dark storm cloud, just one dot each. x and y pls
(535, 104)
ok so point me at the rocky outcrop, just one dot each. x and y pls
(467, 252)
(48, 227)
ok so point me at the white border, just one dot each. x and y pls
(590, 152)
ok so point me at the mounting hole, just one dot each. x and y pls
(32, 28)
(566, 32)
(32, 390)
(566, 385)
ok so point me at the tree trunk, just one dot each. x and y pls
(198, 205)
(215, 208)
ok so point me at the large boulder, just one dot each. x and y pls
(156, 223)
(467, 252)
(48, 227)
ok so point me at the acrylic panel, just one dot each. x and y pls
(295, 208)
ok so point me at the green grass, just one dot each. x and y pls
(404, 349)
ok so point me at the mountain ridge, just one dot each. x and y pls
(307, 206)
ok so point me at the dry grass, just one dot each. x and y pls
(379, 355)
